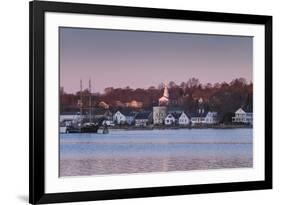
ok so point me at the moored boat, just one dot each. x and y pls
(89, 128)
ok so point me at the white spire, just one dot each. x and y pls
(166, 92)
(164, 100)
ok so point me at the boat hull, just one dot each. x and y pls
(89, 129)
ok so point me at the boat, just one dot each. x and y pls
(89, 128)
(78, 126)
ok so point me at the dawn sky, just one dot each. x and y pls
(114, 58)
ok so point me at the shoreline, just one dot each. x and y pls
(129, 128)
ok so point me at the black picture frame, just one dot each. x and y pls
(37, 10)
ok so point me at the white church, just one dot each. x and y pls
(161, 114)
(164, 100)
(160, 111)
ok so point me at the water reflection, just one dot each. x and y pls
(154, 151)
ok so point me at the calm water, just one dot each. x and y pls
(154, 151)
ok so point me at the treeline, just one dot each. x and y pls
(225, 98)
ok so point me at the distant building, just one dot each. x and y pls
(170, 119)
(206, 117)
(184, 119)
(103, 105)
(198, 118)
(177, 119)
(130, 118)
(124, 117)
(119, 118)
(134, 104)
(242, 116)
(211, 118)
(142, 119)
(159, 114)
(203, 115)
(164, 100)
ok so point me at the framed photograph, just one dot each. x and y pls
(130, 102)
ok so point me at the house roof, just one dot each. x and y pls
(240, 110)
(187, 115)
(248, 108)
(143, 115)
(127, 112)
(196, 114)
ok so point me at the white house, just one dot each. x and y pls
(159, 114)
(124, 117)
(119, 118)
(204, 118)
(198, 118)
(243, 117)
(170, 119)
(211, 118)
(184, 119)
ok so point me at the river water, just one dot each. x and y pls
(140, 151)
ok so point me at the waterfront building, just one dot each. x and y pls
(211, 118)
(160, 111)
(130, 117)
(203, 114)
(143, 119)
(159, 114)
(242, 116)
(172, 118)
(206, 117)
(198, 118)
(119, 118)
(124, 117)
(184, 119)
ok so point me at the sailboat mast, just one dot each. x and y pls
(90, 100)
(81, 104)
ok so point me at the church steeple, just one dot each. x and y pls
(164, 100)
(166, 92)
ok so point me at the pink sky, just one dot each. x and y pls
(113, 58)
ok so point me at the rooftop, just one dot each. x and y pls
(143, 115)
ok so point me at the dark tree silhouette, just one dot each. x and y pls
(225, 98)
